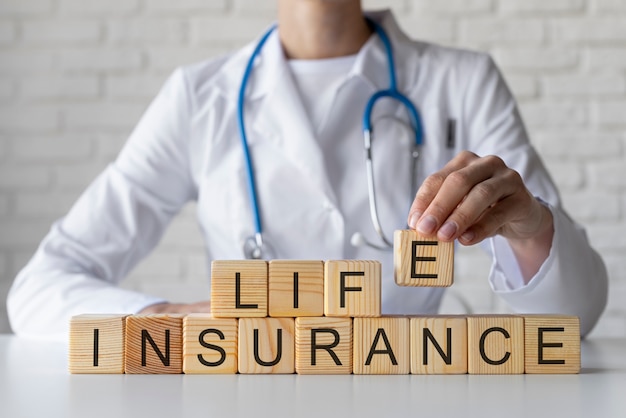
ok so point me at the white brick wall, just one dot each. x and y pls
(75, 75)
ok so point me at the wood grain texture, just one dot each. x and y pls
(422, 261)
(275, 345)
(209, 344)
(252, 301)
(332, 338)
(361, 281)
(381, 345)
(497, 339)
(552, 344)
(296, 288)
(426, 357)
(96, 344)
(141, 356)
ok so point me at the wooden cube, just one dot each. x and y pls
(96, 344)
(296, 288)
(209, 344)
(381, 345)
(239, 288)
(495, 344)
(154, 344)
(422, 261)
(352, 288)
(266, 345)
(439, 345)
(323, 345)
(552, 344)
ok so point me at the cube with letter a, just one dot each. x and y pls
(381, 345)
(422, 261)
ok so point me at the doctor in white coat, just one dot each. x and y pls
(481, 180)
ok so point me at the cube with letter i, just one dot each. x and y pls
(296, 288)
(97, 344)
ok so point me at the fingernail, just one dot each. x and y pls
(427, 225)
(468, 236)
(448, 230)
(413, 219)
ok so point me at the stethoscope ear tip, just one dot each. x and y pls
(357, 240)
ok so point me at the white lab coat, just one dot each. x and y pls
(312, 188)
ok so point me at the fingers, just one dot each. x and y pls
(433, 183)
(200, 307)
(470, 199)
(491, 222)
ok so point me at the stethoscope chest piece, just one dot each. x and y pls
(255, 248)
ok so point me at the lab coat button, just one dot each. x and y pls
(328, 206)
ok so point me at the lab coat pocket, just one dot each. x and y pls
(439, 142)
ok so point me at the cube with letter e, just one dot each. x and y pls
(422, 261)
(552, 344)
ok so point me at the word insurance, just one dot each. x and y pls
(203, 344)
(316, 317)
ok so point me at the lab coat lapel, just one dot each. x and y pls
(281, 118)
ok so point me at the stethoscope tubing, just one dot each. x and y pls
(244, 137)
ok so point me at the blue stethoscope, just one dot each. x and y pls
(254, 247)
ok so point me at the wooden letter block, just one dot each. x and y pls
(209, 344)
(381, 345)
(352, 288)
(266, 345)
(323, 345)
(239, 288)
(552, 344)
(96, 344)
(422, 261)
(296, 288)
(439, 345)
(154, 344)
(495, 344)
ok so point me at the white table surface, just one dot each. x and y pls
(34, 382)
